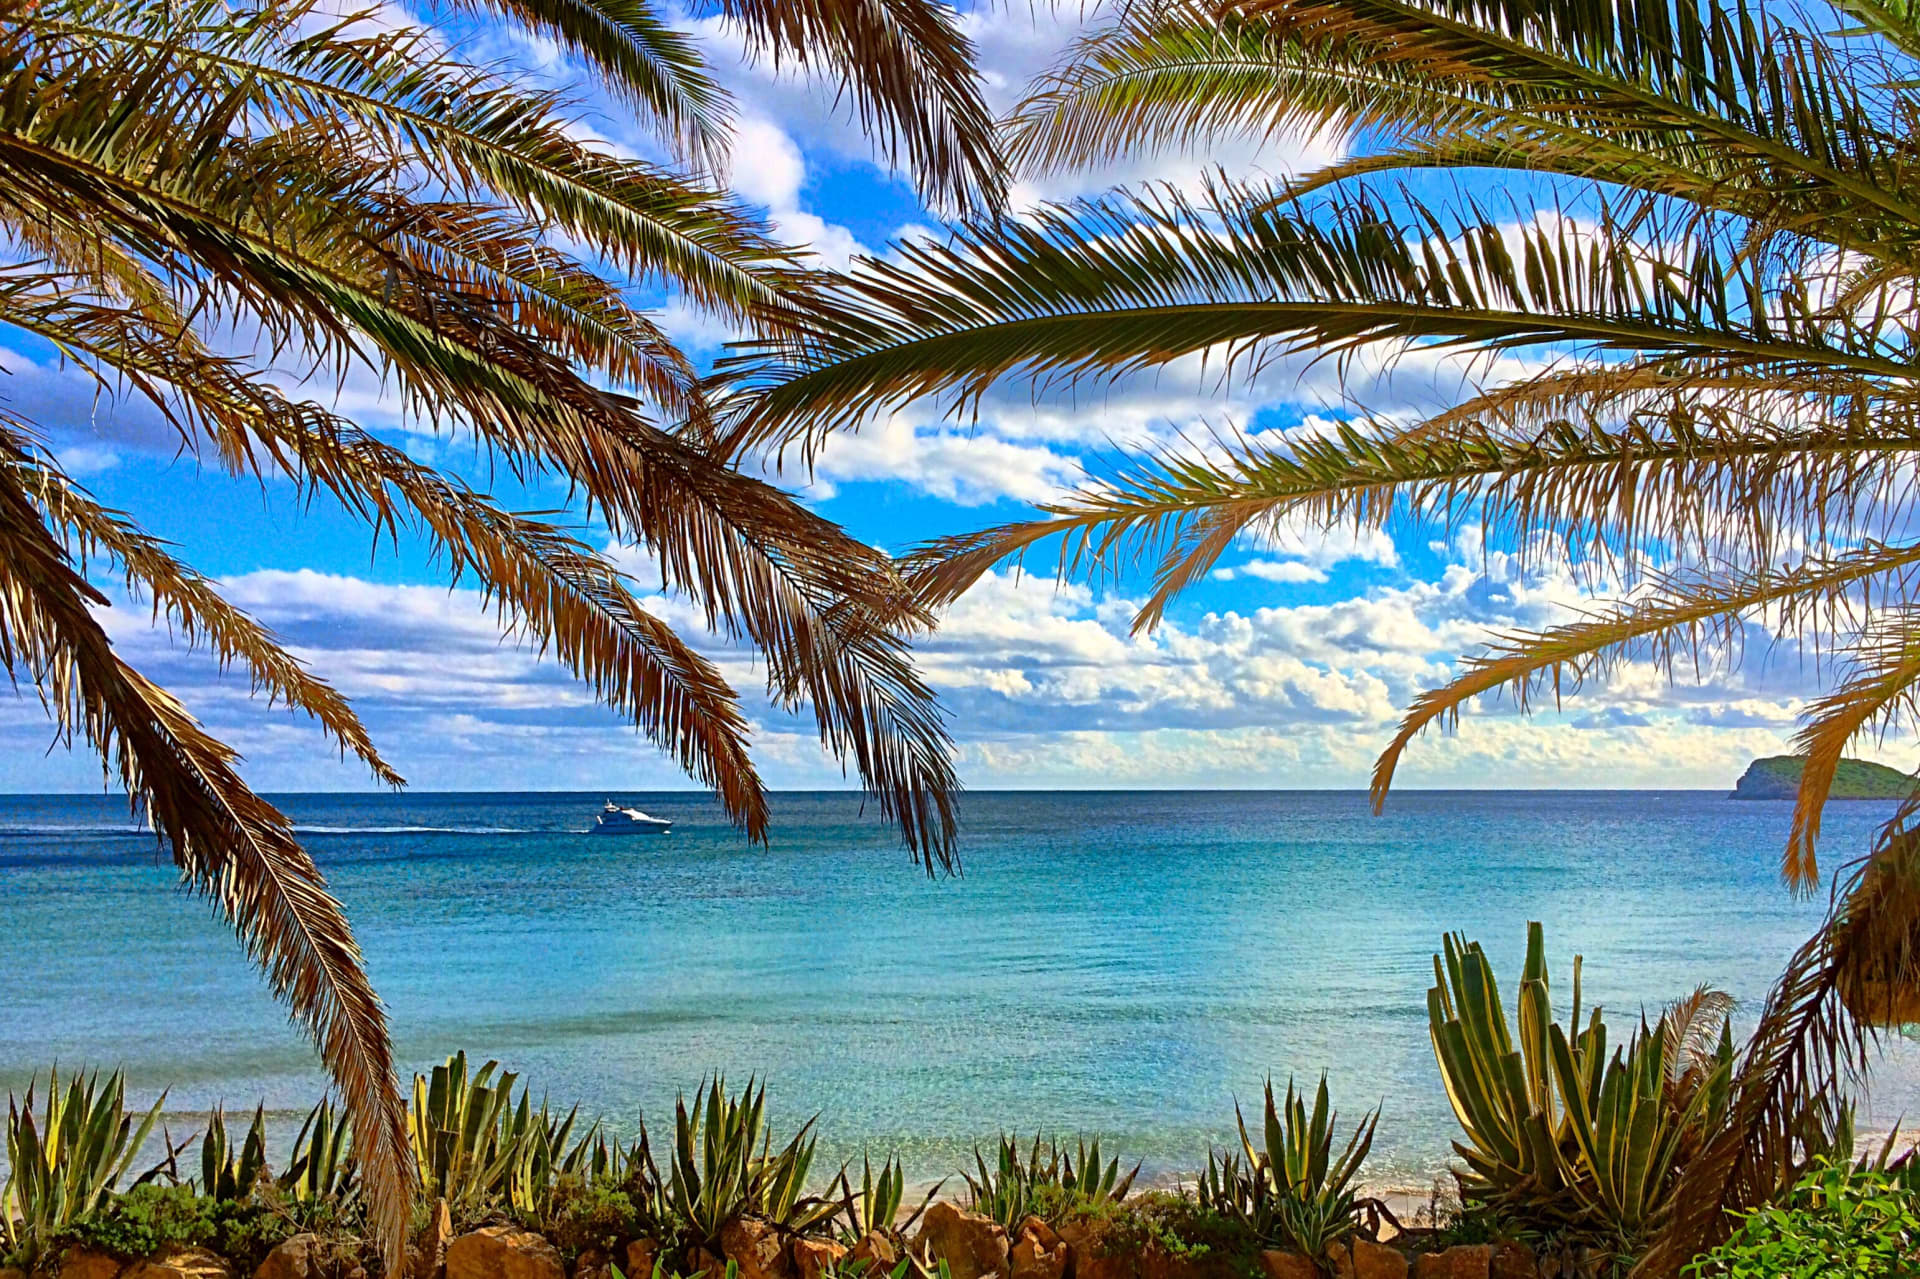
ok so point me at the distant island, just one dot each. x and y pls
(1778, 777)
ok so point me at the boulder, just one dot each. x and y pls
(503, 1252)
(1377, 1261)
(755, 1247)
(1046, 1235)
(1031, 1259)
(427, 1253)
(593, 1264)
(181, 1263)
(640, 1258)
(1462, 1261)
(12, 1272)
(89, 1263)
(300, 1257)
(1513, 1260)
(877, 1250)
(701, 1262)
(1275, 1264)
(815, 1257)
(973, 1246)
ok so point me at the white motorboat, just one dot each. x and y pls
(615, 820)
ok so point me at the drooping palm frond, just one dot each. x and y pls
(641, 56)
(1812, 1046)
(230, 845)
(323, 193)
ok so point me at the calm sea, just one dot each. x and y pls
(1119, 964)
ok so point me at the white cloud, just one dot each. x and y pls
(1288, 571)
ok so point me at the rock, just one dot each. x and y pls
(1031, 1259)
(815, 1257)
(755, 1247)
(701, 1262)
(427, 1254)
(1275, 1264)
(1339, 1261)
(640, 1257)
(181, 1263)
(973, 1246)
(89, 1263)
(12, 1272)
(297, 1258)
(1048, 1238)
(593, 1264)
(1513, 1261)
(503, 1252)
(878, 1251)
(1462, 1261)
(1377, 1261)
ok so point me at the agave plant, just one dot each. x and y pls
(1554, 1128)
(227, 1174)
(1009, 1190)
(320, 1164)
(877, 1204)
(1288, 1188)
(468, 1137)
(63, 1166)
(724, 1166)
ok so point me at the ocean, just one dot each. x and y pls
(1126, 965)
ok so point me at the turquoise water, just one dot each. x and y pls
(1126, 964)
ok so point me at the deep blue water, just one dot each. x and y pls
(1126, 964)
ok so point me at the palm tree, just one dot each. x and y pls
(203, 196)
(1714, 298)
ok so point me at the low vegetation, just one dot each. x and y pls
(1570, 1153)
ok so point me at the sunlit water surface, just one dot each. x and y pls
(1120, 964)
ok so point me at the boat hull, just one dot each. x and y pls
(632, 828)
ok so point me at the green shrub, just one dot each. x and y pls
(151, 1217)
(724, 1166)
(588, 1215)
(1863, 1223)
(1556, 1129)
(1171, 1224)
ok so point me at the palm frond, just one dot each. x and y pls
(1670, 484)
(1095, 291)
(1877, 689)
(1806, 1055)
(909, 71)
(641, 56)
(189, 602)
(1691, 615)
(230, 845)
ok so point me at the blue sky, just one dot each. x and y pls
(1286, 669)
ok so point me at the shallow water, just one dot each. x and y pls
(1121, 964)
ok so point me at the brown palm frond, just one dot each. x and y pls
(188, 601)
(230, 845)
(1693, 614)
(1810, 1048)
(1878, 689)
